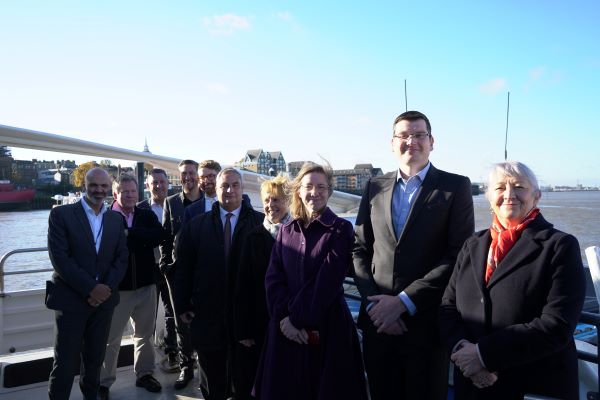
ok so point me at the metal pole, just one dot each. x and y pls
(405, 97)
(506, 134)
(140, 177)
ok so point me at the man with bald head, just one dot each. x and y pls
(88, 250)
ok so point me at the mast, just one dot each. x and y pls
(506, 133)
(405, 97)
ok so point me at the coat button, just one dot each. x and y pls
(481, 300)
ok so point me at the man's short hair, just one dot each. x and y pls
(116, 186)
(412, 116)
(210, 164)
(230, 170)
(188, 162)
(158, 171)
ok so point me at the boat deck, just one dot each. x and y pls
(123, 389)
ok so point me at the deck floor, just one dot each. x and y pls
(123, 389)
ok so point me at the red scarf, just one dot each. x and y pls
(503, 240)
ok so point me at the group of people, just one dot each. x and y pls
(257, 299)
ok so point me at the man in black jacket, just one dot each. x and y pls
(172, 220)
(208, 255)
(410, 226)
(137, 289)
(157, 182)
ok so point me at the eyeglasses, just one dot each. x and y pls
(419, 136)
(318, 188)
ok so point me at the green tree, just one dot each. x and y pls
(80, 172)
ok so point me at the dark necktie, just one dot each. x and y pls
(227, 235)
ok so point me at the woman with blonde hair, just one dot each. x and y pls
(250, 306)
(311, 348)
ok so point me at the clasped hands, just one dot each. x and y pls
(386, 313)
(99, 294)
(467, 360)
(294, 334)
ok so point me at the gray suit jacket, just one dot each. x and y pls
(420, 261)
(76, 264)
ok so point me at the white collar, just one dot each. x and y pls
(236, 212)
(89, 210)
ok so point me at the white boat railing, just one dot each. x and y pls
(19, 272)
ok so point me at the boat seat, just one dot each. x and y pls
(592, 254)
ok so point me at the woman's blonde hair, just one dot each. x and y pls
(277, 187)
(297, 207)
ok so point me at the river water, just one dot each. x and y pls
(577, 213)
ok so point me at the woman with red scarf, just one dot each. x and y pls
(513, 301)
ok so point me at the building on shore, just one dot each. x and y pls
(354, 180)
(345, 180)
(263, 162)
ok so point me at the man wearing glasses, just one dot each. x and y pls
(410, 227)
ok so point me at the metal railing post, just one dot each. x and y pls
(19, 272)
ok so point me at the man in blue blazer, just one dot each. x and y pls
(410, 226)
(88, 250)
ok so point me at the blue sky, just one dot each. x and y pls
(212, 79)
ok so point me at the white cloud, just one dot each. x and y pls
(537, 73)
(226, 24)
(363, 120)
(542, 77)
(284, 16)
(494, 86)
(217, 88)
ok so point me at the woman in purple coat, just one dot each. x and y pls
(311, 350)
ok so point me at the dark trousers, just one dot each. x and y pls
(184, 336)
(215, 383)
(395, 372)
(80, 343)
(244, 367)
(170, 334)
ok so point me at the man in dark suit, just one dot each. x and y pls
(88, 250)
(157, 183)
(172, 220)
(208, 256)
(410, 226)
(207, 175)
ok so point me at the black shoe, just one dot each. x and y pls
(103, 393)
(149, 383)
(185, 377)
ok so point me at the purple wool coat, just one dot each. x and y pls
(304, 281)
